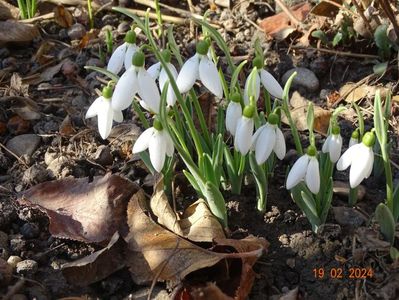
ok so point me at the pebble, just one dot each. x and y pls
(27, 267)
(304, 78)
(13, 260)
(4, 253)
(3, 240)
(76, 31)
(30, 230)
(17, 244)
(24, 144)
(95, 62)
(123, 27)
(35, 174)
(103, 156)
(110, 19)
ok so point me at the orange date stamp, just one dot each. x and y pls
(341, 273)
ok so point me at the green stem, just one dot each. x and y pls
(352, 196)
(388, 176)
(140, 114)
(90, 11)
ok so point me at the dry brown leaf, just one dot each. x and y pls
(15, 32)
(81, 210)
(8, 11)
(63, 17)
(98, 265)
(326, 9)
(17, 87)
(352, 92)
(17, 125)
(24, 107)
(372, 240)
(66, 127)
(279, 26)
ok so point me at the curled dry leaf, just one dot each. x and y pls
(98, 265)
(326, 9)
(81, 210)
(15, 32)
(63, 17)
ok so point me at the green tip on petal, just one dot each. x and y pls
(335, 130)
(258, 63)
(311, 151)
(138, 59)
(236, 97)
(202, 47)
(107, 92)
(369, 139)
(157, 124)
(273, 119)
(167, 56)
(249, 111)
(355, 134)
(130, 37)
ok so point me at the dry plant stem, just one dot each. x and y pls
(341, 7)
(13, 154)
(287, 11)
(334, 52)
(361, 13)
(192, 28)
(254, 24)
(38, 18)
(386, 6)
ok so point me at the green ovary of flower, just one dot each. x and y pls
(202, 47)
(369, 139)
(138, 59)
(130, 37)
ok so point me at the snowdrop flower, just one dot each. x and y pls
(158, 142)
(361, 159)
(333, 144)
(200, 67)
(267, 80)
(123, 54)
(244, 130)
(157, 72)
(233, 113)
(306, 168)
(268, 138)
(102, 108)
(136, 80)
(354, 138)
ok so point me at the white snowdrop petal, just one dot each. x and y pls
(157, 149)
(125, 90)
(242, 140)
(369, 162)
(115, 62)
(335, 147)
(171, 96)
(246, 90)
(297, 172)
(233, 114)
(264, 144)
(154, 70)
(256, 136)
(271, 84)
(148, 90)
(142, 142)
(188, 74)
(92, 111)
(312, 177)
(359, 166)
(169, 149)
(208, 73)
(279, 146)
(346, 159)
(131, 49)
(353, 142)
(105, 116)
(326, 147)
(163, 78)
(118, 116)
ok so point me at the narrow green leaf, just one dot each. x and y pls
(216, 202)
(360, 119)
(337, 38)
(319, 34)
(387, 223)
(103, 71)
(379, 122)
(193, 181)
(236, 73)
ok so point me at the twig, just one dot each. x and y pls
(13, 154)
(361, 13)
(287, 11)
(192, 28)
(253, 23)
(335, 52)
(39, 18)
(390, 14)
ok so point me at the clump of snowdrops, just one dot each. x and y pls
(244, 140)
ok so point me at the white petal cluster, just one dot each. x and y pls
(361, 159)
(136, 80)
(268, 82)
(243, 134)
(102, 108)
(158, 143)
(233, 115)
(157, 72)
(200, 67)
(266, 139)
(123, 54)
(305, 168)
(333, 146)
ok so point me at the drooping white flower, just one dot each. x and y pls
(244, 131)
(136, 80)
(360, 157)
(305, 168)
(354, 138)
(266, 79)
(233, 113)
(157, 72)
(102, 108)
(333, 144)
(200, 67)
(158, 142)
(123, 54)
(268, 138)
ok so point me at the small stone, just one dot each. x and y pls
(30, 230)
(110, 19)
(305, 78)
(13, 260)
(35, 174)
(229, 24)
(4, 253)
(27, 267)
(290, 262)
(17, 244)
(56, 166)
(76, 31)
(24, 144)
(123, 27)
(240, 37)
(3, 240)
(95, 62)
(103, 156)
(49, 157)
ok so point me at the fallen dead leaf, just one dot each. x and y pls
(326, 9)
(354, 92)
(8, 11)
(372, 239)
(81, 210)
(17, 87)
(63, 17)
(15, 32)
(66, 127)
(348, 216)
(16, 125)
(98, 265)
